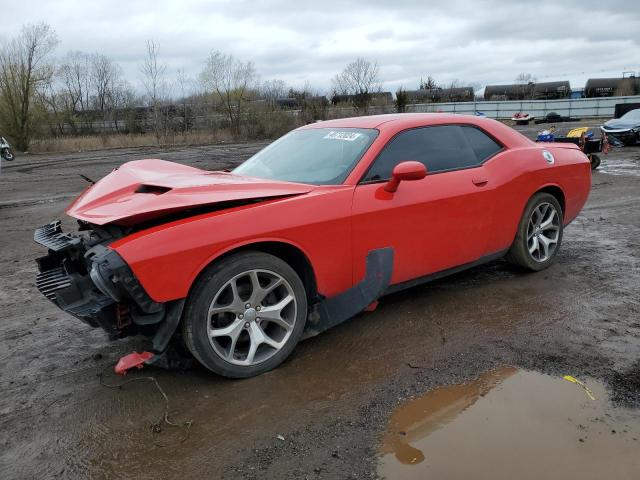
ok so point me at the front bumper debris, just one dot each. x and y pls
(132, 360)
(84, 277)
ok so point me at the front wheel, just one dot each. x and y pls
(245, 315)
(539, 233)
(7, 154)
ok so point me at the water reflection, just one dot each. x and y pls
(510, 424)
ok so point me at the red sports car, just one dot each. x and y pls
(240, 265)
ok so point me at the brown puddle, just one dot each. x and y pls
(508, 424)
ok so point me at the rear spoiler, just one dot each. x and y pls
(558, 145)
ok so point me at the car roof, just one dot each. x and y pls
(377, 121)
(396, 122)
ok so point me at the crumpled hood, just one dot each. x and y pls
(145, 189)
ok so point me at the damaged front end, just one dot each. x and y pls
(89, 280)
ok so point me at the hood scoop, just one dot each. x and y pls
(144, 190)
(154, 189)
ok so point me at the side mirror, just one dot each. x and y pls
(405, 171)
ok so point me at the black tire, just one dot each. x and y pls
(8, 155)
(519, 253)
(209, 284)
(595, 161)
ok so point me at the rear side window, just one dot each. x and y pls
(482, 144)
(439, 148)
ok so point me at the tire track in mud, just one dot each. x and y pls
(34, 201)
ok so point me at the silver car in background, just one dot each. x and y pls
(626, 128)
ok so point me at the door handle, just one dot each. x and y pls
(480, 181)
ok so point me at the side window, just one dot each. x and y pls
(482, 144)
(438, 148)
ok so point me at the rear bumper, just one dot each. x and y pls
(85, 278)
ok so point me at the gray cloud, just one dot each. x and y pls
(478, 42)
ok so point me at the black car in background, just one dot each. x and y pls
(553, 117)
(626, 128)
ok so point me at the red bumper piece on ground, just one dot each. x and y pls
(132, 360)
(372, 306)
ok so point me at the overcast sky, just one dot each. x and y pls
(478, 42)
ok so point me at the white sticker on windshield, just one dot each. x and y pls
(348, 136)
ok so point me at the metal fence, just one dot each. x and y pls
(579, 107)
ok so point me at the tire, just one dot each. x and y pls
(529, 235)
(7, 155)
(224, 343)
(595, 161)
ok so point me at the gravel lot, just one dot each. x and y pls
(322, 414)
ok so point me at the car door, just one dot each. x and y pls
(433, 224)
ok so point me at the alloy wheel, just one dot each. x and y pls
(251, 317)
(543, 232)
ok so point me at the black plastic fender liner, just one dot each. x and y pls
(335, 310)
(168, 327)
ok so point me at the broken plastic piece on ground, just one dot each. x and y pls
(372, 306)
(132, 360)
(571, 379)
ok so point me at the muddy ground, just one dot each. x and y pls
(323, 413)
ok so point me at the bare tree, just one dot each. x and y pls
(231, 81)
(24, 68)
(360, 78)
(104, 75)
(526, 81)
(89, 86)
(524, 78)
(428, 84)
(74, 74)
(122, 102)
(58, 105)
(272, 90)
(155, 85)
(184, 88)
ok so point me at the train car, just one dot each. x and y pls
(509, 92)
(611, 87)
(435, 95)
(379, 98)
(551, 90)
(528, 91)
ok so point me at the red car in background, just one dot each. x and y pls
(305, 234)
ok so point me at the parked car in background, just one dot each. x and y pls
(626, 128)
(307, 233)
(553, 117)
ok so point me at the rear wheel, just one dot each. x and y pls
(539, 233)
(595, 161)
(245, 315)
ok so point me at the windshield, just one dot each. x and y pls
(319, 156)
(632, 115)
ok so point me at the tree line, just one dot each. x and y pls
(78, 93)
